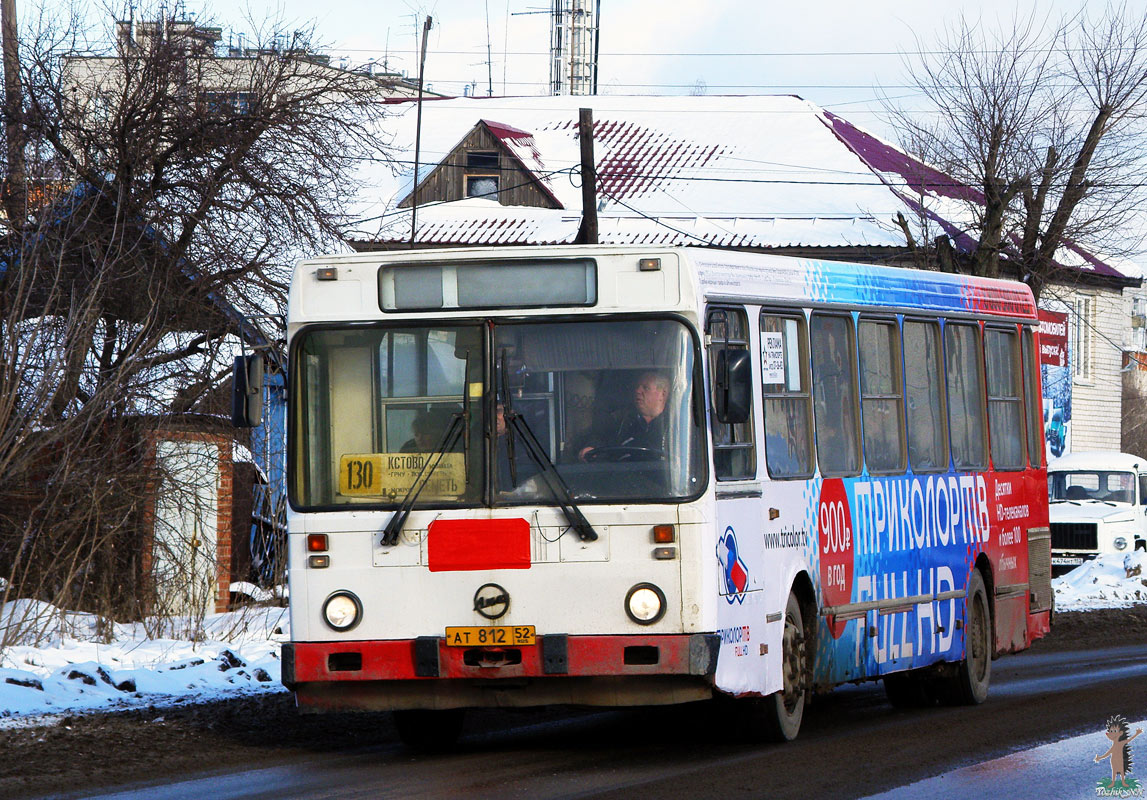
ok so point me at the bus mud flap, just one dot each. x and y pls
(426, 657)
(555, 654)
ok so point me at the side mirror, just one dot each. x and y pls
(732, 395)
(247, 391)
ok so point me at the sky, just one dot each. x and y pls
(840, 55)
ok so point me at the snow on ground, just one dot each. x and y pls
(80, 665)
(1109, 581)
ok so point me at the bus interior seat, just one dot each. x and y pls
(1077, 493)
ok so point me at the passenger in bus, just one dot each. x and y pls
(426, 430)
(642, 428)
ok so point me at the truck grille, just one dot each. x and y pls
(1074, 536)
(1039, 569)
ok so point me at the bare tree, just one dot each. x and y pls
(163, 187)
(1041, 128)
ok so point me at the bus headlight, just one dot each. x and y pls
(342, 611)
(645, 604)
(1120, 543)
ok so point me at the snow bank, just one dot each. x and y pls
(1108, 581)
(68, 662)
(65, 663)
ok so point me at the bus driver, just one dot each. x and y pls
(644, 427)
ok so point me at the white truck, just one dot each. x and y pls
(1097, 505)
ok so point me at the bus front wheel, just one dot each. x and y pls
(970, 684)
(784, 710)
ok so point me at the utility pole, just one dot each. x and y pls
(587, 233)
(14, 181)
(418, 130)
(489, 57)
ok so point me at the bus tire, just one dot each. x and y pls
(784, 710)
(969, 686)
(429, 731)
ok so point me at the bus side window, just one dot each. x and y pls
(834, 394)
(881, 393)
(964, 364)
(1034, 403)
(1005, 398)
(734, 455)
(787, 394)
(927, 422)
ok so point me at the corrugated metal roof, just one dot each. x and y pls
(769, 172)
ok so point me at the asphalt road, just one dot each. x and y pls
(853, 743)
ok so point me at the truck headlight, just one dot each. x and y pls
(342, 610)
(1120, 543)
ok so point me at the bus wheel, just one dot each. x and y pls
(429, 731)
(970, 684)
(783, 711)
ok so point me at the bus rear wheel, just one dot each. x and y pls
(429, 731)
(783, 711)
(969, 686)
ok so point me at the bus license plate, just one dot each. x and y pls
(509, 636)
(1066, 561)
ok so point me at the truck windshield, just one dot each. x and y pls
(610, 403)
(1114, 487)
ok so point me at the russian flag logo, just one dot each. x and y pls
(734, 570)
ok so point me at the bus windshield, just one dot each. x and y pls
(609, 404)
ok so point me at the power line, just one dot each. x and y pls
(653, 176)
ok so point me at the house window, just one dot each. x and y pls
(227, 102)
(1081, 338)
(482, 160)
(482, 186)
(482, 177)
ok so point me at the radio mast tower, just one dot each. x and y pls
(573, 46)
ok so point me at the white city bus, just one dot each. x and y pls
(624, 476)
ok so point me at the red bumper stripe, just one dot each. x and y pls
(586, 655)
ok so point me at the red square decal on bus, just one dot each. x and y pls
(455, 545)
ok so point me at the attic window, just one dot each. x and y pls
(484, 160)
(482, 186)
(482, 174)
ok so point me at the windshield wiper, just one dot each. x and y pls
(559, 490)
(449, 439)
(459, 426)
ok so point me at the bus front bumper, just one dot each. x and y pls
(426, 673)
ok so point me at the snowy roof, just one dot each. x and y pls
(750, 171)
(1097, 460)
(733, 171)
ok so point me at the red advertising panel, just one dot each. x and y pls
(1052, 338)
